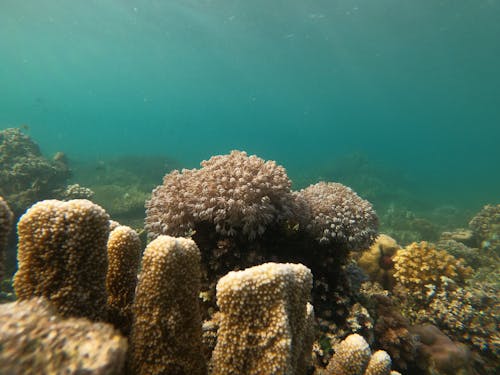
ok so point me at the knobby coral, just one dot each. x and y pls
(486, 228)
(265, 321)
(62, 256)
(34, 340)
(124, 251)
(235, 192)
(166, 333)
(340, 216)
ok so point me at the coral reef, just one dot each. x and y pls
(354, 357)
(263, 323)
(235, 192)
(6, 218)
(340, 216)
(420, 266)
(75, 191)
(25, 175)
(377, 261)
(124, 252)
(440, 355)
(166, 333)
(35, 340)
(62, 256)
(486, 228)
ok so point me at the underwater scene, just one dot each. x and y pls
(280, 187)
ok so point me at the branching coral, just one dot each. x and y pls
(6, 217)
(419, 268)
(35, 340)
(235, 192)
(124, 251)
(166, 333)
(265, 321)
(62, 256)
(340, 216)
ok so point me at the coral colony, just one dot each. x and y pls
(241, 275)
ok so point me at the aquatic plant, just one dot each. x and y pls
(339, 216)
(266, 324)
(62, 256)
(124, 255)
(35, 340)
(6, 218)
(166, 332)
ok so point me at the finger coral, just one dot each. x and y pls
(420, 267)
(62, 256)
(354, 357)
(124, 251)
(264, 319)
(166, 333)
(35, 340)
(340, 216)
(6, 217)
(236, 193)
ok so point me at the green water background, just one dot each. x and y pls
(410, 87)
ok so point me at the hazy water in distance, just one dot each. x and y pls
(414, 85)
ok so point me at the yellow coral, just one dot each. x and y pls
(124, 251)
(166, 333)
(265, 321)
(377, 261)
(420, 265)
(62, 256)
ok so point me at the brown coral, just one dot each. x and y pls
(6, 217)
(166, 333)
(377, 261)
(35, 340)
(486, 228)
(62, 256)
(124, 251)
(235, 193)
(264, 319)
(340, 216)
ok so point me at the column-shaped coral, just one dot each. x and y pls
(62, 256)
(124, 251)
(6, 217)
(265, 324)
(166, 333)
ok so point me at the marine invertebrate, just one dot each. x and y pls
(124, 251)
(263, 320)
(354, 357)
(166, 333)
(6, 217)
(377, 261)
(339, 216)
(440, 354)
(25, 175)
(420, 265)
(62, 256)
(486, 228)
(236, 193)
(34, 340)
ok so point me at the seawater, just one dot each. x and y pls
(412, 86)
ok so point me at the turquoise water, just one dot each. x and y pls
(413, 86)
